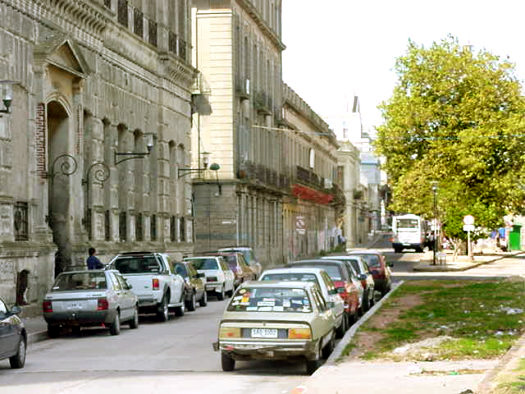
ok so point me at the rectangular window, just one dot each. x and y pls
(182, 223)
(20, 221)
(107, 226)
(122, 12)
(153, 227)
(173, 229)
(152, 30)
(182, 49)
(138, 22)
(172, 42)
(122, 226)
(140, 232)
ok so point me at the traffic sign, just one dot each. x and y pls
(300, 225)
(468, 227)
(468, 220)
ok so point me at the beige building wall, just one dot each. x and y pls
(349, 164)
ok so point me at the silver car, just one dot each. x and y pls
(90, 298)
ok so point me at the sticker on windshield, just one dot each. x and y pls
(278, 308)
(251, 308)
(300, 302)
(237, 298)
(242, 291)
(245, 299)
(269, 299)
(265, 309)
(266, 303)
(286, 303)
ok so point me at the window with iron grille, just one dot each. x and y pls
(88, 223)
(20, 221)
(153, 227)
(172, 42)
(107, 226)
(107, 4)
(182, 224)
(138, 22)
(182, 49)
(152, 30)
(173, 229)
(122, 226)
(140, 232)
(122, 12)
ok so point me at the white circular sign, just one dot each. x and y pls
(469, 219)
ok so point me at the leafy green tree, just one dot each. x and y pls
(456, 116)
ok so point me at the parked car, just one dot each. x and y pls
(276, 320)
(219, 277)
(13, 336)
(360, 267)
(248, 255)
(379, 268)
(156, 286)
(90, 298)
(346, 286)
(238, 265)
(194, 283)
(322, 280)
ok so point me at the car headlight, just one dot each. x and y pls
(229, 332)
(299, 333)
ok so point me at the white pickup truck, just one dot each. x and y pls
(158, 288)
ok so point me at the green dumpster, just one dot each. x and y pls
(515, 237)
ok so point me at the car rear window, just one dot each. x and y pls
(80, 281)
(205, 264)
(292, 276)
(137, 265)
(333, 271)
(372, 260)
(270, 299)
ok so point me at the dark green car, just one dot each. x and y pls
(194, 283)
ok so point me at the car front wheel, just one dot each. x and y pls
(192, 303)
(134, 322)
(227, 362)
(19, 359)
(204, 299)
(114, 329)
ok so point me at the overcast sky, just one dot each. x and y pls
(340, 48)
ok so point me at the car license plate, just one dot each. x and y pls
(74, 305)
(264, 333)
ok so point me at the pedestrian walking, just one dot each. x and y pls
(93, 263)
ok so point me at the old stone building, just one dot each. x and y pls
(99, 126)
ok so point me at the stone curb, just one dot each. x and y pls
(351, 332)
(37, 336)
(485, 386)
(452, 269)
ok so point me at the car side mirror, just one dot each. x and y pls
(201, 275)
(390, 264)
(333, 291)
(362, 277)
(130, 287)
(15, 310)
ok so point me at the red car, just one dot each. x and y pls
(379, 268)
(340, 274)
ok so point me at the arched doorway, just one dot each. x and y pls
(59, 185)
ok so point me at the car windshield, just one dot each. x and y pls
(270, 299)
(372, 260)
(332, 270)
(80, 281)
(292, 276)
(137, 265)
(205, 264)
(355, 265)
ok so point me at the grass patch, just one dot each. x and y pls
(514, 383)
(482, 320)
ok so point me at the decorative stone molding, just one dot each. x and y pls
(177, 71)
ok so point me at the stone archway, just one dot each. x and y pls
(58, 124)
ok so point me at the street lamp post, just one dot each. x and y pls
(434, 249)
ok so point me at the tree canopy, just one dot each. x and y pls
(456, 117)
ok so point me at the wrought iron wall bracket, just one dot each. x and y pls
(129, 156)
(186, 171)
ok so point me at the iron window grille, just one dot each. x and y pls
(153, 227)
(152, 30)
(173, 229)
(140, 232)
(107, 226)
(88, 224)
(182, 224)
(122, 226)
(138, 22)
(182, 49)
(172, 42)
(122, 12)
(20, 221)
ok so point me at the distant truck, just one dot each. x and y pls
(409, 233)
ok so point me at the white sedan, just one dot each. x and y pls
(219, 276)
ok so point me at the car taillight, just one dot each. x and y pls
(155, 284)
(47, 306)
(229, 332)
(102, 304)
(211, 279)
(299, 333)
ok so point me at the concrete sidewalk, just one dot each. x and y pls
(36, 328)
(462, 263)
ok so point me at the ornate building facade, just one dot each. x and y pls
(98, 128)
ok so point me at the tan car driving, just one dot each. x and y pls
(276, 320)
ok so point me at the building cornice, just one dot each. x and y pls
(261, 23)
